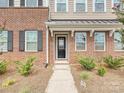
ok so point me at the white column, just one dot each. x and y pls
(47, 45)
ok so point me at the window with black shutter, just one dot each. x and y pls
(30, 41)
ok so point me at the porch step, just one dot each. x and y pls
(61, 67)
(61, 62)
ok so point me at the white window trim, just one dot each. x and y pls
(85, 44)
(86, 8)
(114, 46)
(94, 6)
(56, 6)
(7, 44)
(30, 6)
(26, 42)
(7, 5)
(104, 43)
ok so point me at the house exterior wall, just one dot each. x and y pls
(82, 15)
(18, 19)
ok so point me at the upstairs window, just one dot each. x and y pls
(6, 3)
(31, 3)
(118, 45)
(80, 5)
(99, 5)
(61, 5)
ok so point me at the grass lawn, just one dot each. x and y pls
(112, 82)
(36, 82)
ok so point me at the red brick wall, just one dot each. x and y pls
(20, 19)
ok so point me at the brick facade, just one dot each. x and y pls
(18, 19)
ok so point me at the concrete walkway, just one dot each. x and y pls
(61, 80)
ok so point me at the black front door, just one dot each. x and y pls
(61, 47)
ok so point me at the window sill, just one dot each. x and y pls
(80, 12)
(80, 50)
(31, 51)
(118, 50)
(61, 12)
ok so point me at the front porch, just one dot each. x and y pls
(68, 28)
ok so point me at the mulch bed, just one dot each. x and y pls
(112, 82)
(36, 82)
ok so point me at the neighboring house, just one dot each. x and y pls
(82, 28)
(70, 28)
(25, 29)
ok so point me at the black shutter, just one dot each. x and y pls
(40, 41)
(22, 2)
(10, 41)
(22, 41)
(40, 2)
(11, 2)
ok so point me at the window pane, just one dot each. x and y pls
(31, 36)
(80, 1)
(4, 3)
(31, 3)
(80, 7)
(61, 1)
(31, 46)
(116, 1)
(117, 41)
(99, 7)
(80, 39)
(99, 1)
(61, 7)
(99, 40)
(3, 46)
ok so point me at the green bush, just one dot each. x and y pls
(3, 66)
(24, 68)
(114, 63)
(87, 63)
(84, 75)
(101, 71)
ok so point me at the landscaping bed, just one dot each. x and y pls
(36, 82)
(112, 82)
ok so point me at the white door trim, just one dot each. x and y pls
(56, 47)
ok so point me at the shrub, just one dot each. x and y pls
(84, 75)
(114, 63)
(24, 68)
(101, 71)
(87, 63)
(3, 66)
(8, 82)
